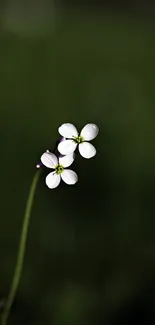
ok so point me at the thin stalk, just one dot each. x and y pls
(21, 250)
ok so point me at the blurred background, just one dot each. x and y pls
(90, 257)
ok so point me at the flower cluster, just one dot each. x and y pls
(69, 142)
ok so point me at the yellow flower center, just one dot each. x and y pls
(78, 139)
(59, 169)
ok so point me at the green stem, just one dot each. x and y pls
(21, 251)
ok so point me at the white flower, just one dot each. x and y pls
(59, 164)
(74, 139)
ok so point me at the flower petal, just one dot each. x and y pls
(52, 180)
(69, 177)
(49, 160)
(68, 130)
(87, 150)
(67, 160)
(89, 132)
(66, 147)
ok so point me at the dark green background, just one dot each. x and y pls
(90, 255)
